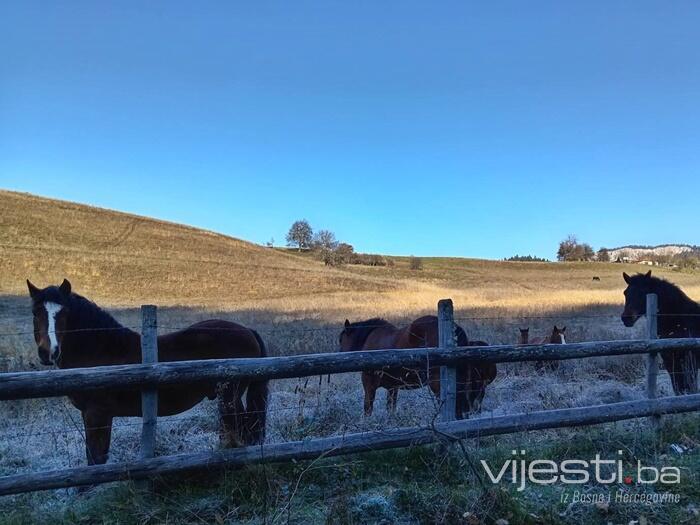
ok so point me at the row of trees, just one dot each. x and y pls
(525, 258)
(570, 249)
(331, 251)
(301, 235)
(335, 253)
(686, 260)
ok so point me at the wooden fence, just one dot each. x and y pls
(151, 375)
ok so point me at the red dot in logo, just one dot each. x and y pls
(628, 480)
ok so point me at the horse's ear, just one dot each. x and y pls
(626, 277)
(555, 328)
(563, 329)
(648, 274)
(33, 290)
(65, 287)
(347, 323)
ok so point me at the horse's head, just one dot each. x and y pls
(347, 339)
(524, 336)
(557, 337)
(638, 286)
(50, 309)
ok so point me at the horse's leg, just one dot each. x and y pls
(256, 412)
(434, 385)
(231, 411)
(690, 372)
(392, 394)
(673, 364)
(434, 381)
(462, 401)
(370, 383)
(476, 397)
(98, 433)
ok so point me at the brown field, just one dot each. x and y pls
(119, 259)
(297, 304)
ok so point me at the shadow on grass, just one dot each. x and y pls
(287, 334)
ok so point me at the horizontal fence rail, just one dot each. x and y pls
(348, 443)
(52, 383)
(151, 375)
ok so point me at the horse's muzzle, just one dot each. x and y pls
(629, 320)
(48, 358)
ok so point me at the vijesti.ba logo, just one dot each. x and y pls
(520, 471)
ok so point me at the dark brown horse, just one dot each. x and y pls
(557, 337)
(73, 332)
(679, 316)
(376, 334)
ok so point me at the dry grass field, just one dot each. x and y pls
(298, 305)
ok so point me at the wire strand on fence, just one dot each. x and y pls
(335, 329)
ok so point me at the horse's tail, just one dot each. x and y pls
(256, 402)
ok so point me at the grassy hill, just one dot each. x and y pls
(126, 259)
(123, 259)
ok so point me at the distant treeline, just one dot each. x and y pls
(526, 258)
(687, 260)
(570, 249)
(649, 247)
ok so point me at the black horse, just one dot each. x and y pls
(679, 316)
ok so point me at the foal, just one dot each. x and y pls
(555, 338)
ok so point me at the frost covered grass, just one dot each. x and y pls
(411, 486)
(429, 484)
(47, 434)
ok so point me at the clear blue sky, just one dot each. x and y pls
(454, 128)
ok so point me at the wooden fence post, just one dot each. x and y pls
(149, 396)
(652, 362)
(448, 374)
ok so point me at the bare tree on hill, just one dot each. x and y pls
(300, 235)
(324, 240)
(570, 249)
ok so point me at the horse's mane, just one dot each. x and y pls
(89, 314)
(666, 289)
(361, 329)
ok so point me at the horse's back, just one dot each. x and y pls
(421, 333)
(383, 337)
(210, 339)
(424, 333)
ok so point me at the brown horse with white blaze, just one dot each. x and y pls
(377, 334)
(73, 332)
